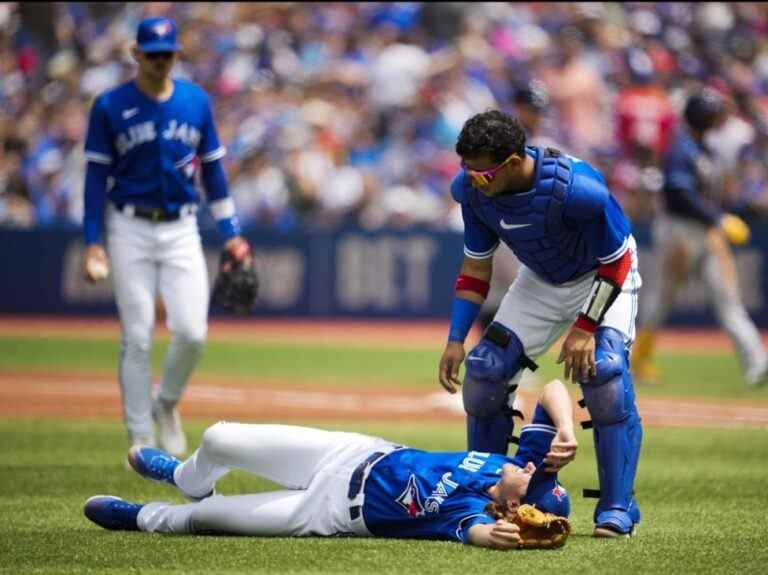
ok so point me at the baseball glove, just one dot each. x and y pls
(540, 530)
(237, 285)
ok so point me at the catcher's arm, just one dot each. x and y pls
(556, 400)
(500, 535)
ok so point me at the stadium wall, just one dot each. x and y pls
(346, 273)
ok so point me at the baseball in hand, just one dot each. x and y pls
(97, 269)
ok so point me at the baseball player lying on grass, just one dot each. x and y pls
(351, 484)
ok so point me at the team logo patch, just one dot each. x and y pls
(559, 493)
(161, 29)
(411, 500)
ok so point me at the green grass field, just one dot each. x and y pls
(703, 492)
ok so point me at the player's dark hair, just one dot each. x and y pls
(492, 133)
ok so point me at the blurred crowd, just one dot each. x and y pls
(347, 113)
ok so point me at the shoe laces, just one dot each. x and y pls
(122, 505)
(163, 466)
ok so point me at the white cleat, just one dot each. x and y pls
(757, 379)
(172, 437)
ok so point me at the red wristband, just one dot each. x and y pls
(583, 322)
(468, 283)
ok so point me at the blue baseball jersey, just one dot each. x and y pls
(564, 227)
(426, 495)
(150, 147)
(688, 174)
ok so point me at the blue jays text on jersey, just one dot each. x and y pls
(411, 493)
(564, 227)
(150, 148)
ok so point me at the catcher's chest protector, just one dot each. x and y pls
(532, 224)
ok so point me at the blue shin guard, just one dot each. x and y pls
(610, 398)
(489, 434)
(490, 366)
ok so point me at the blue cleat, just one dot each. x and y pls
(153, 463)
(112, 513)
(156, 464)
(616, 523)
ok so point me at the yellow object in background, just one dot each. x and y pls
(735, 229)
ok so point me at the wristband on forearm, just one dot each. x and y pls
(469, 283)
(463, 315)
(605, 289)
(604, 292)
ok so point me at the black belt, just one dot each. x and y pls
(151, 214)
(356, 483)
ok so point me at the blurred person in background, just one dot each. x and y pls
(645, 120)
(692, 239)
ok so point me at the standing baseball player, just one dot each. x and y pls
(578, 275)
(144, 141)
(348, 483)
(692, 237)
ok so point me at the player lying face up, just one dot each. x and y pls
(349, 483)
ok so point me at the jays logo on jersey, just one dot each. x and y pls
(410, 499)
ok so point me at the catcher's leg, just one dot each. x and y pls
(288, 455)
(134, 277)
(493, 368)
(529, 321)
(610, 399)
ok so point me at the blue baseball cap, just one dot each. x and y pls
(157, 35)
(547, 494)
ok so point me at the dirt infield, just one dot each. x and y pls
(61, 395)
(98, 395)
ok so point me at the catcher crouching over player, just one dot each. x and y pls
(340, 483)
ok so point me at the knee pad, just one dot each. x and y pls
(609, 394)
(489, 366)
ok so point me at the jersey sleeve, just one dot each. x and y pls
(209, 149)
(591, 207)
(461, 533)
(99, 147)
(480, 242)
(535, 439)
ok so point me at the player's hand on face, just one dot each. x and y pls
(95, 263)
(504, 535)
(578, 355)
(449, 366)
(562, 451)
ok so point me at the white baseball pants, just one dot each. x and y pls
(539, 312)
(148, 258)
(314, 465)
